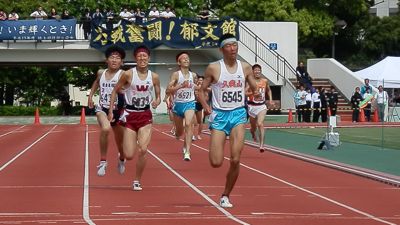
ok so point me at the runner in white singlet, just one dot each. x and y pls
(137, 118)
(105, 82)
(228, 116)
(182, 86)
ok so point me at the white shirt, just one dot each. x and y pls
(154, 14)
(185, 94)
(167, 14)
(125, 15)
(381, 97)
(302, 95)
(39, 15)
(106, 87)
(315, 98)
(229, 91)
(139, 93)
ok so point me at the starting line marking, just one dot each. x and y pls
(296, 214)
(10, 132)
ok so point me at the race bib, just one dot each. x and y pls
(231, 98)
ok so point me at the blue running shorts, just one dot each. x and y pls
(181, 107)
(227, 120)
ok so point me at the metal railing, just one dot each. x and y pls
(262, 52)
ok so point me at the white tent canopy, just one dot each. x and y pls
(385, 73)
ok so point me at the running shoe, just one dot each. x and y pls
(121, 166)
(186, 156)
(224, 202)
(136, 186)
(101, 168)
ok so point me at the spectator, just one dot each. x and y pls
(167, 13)
(154, 13)
(125, 14)
(366, 87)
(297, 100)
(139, 16)
(13, 16)
(53, 15)
(39, 14)
(324, 105)
(367, 109)
(302, 104)
(3, 15)
(382, 100)
(97, 18)
(355, 103)
(65, 15)
(308, 108)
(302, 76)
(86, 23)
(110, 19)
(204, 14)
(333, 101)
(316, 105)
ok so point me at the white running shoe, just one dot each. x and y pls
(136, 186)
(194, 138)
(224, 202)
(121, 166)
(186, 156)
(101, 168)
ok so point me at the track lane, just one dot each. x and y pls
(165, 197)
(45, 184)
(319, 180)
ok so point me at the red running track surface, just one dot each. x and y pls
(48, 175)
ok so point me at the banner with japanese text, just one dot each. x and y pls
(173, 32)
(38, 30)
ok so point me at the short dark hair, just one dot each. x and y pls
(256, 66)
(224, 37)
(115, 48)
(141, 48)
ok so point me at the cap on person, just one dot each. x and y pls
(141, 48)
(225, 39)
(115, 49)
(179, 55)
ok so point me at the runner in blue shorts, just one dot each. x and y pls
(182, 86)
(227, 78)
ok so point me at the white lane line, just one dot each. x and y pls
(26, 149)
(304, 190)
(198, 191)
(29, 214)
(10, 132)
(296, 214)
(86, 215)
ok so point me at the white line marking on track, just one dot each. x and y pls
(86, 215)
(304, 190)
(26, 149)
(227, 214)
(10, 132)
(296, 214)
(29, 214)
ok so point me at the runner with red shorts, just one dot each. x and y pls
(138, 84)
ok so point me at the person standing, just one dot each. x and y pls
(382, 100)
(105, 82)
(257, 107)
(302, 104)
(324, 105)
(333, 101)
(138, 84)
(368, 107)
(227, 78)
(355, 103)
(182, 86)
(316, 105)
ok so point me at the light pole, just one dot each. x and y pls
(339, 24)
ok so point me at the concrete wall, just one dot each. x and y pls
(343, 78)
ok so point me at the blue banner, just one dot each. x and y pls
(38, 30)
(173, 32)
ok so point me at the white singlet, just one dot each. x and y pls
(229, 91)
(139, 93)
(185, 94)
(106, 87)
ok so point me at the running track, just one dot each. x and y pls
(48, 176)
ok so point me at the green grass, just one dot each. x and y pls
(387, 137)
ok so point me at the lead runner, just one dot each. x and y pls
(228, 115)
